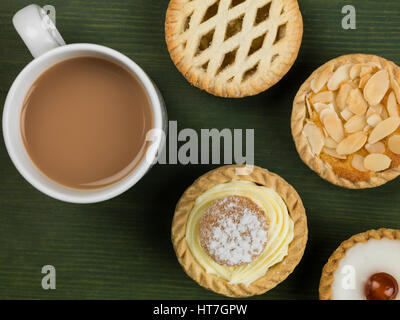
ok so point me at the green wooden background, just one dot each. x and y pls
(121, 249)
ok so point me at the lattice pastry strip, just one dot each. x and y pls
(233, 48)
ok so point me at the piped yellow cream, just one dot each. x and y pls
(280, 231)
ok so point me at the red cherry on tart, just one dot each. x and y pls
(381, 286)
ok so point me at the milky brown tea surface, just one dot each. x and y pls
(84, 122)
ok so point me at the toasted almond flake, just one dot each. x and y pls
(392, 108)
(352, 143)
(379, 108)
(356, 102)
(383, 129)
(315, 137)
(339, 76)
(346, 114)
(370, 112)
(355, 123)
(330, 143)
(333, 153)
(361, 69)
(366, 69)
(374, 119)
(334, 126)
(342, 95)
(320, 106)
(384, 114)
(377, 162)
(334, 105)
(358, 163)
(377, 147)
(323, 96)
(394, 144)
(367, 128)
(395, 86)
(375, 109)
(318, 83)
(364, 80)
(355, 71)
(325, 112)
(376, 87)
(309, 109)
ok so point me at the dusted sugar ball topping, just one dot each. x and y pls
(233, 231)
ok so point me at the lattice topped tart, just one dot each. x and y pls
(345, 121)
(239, 235)
(233, 48)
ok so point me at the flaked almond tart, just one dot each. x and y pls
(345, 121)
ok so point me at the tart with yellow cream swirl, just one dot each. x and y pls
(239, 234)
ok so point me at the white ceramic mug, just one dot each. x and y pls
(48, 48)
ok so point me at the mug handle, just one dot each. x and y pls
(37, 30)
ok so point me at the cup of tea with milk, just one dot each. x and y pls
(77, 118)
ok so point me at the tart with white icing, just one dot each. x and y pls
(364, 267)
(239, 233)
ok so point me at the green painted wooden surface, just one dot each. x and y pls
(121, 249)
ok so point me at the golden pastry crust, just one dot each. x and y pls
(276, 273)
(272, 53)
(325, 285)
(338, 172)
